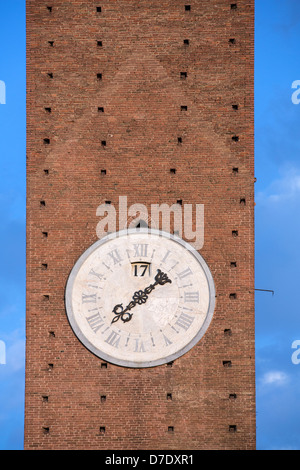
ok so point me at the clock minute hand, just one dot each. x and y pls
(139, 297)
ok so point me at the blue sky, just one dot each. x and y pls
(12, 228)
(277, 223)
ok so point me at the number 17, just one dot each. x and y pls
(141, 269)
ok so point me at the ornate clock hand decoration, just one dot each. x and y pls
(139, 297)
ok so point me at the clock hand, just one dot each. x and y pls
(139, 297)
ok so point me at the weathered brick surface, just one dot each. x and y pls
(141, 91)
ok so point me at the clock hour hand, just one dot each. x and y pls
(139, 297)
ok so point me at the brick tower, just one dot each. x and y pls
(153, 101)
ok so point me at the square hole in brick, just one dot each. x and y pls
(235, 233)
(232, 41)
(46, 141)
(233, 6)
(46, 297)
(183, 75)
(170, 364)
(99, 76)
(52, 334)
(102, 430)
(243, 201)
(232, 428)
(232, 296)
(169, 396)
(233, 264)
(171, 429)
(99, 43)
(227, 364)
(45, 398)
(235, 138)
(235, 171)
(103, 365)
(103, 398)
(44, 266)
(46, 171)
(98, 9)
(187, 7)
(103, 143)
(183, 108)
(49, 9)
(227, 332)
(46, 430)
(100, 109)
(186, 42)
(48, 110)
(50, 75)
(50, 367)
(179, 201)
(232, 396)
(103, 172)
(42, 203)
(235, 107)
(51, 43)
(173, 171)
(45, 234)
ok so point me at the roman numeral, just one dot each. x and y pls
(191, 296)
(113, 339)
(139, 346)
(167, 341)
(185, 273)
(95, 322)
(140, 250)
(99, 276)
(184, 321)
(88, 298)
(115, 256)
(166, 256)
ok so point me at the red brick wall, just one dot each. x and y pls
(141, 91)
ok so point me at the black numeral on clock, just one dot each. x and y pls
(99, 276)
(185, 273)
(95, 322)
(184, 321)
(115, 256)
(140, 250)
(191, 296)
(167, 341)
(87, 298)
(113, 339)
(166, 256)
(139, 346)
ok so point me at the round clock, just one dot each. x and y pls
(140, 298)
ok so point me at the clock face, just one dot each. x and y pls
(140, 298)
